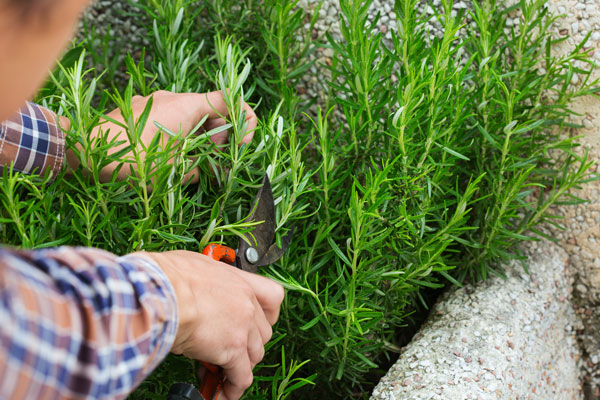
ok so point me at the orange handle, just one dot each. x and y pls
(220, 253)
(211, 383)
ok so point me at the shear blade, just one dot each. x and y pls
(263, 234)
(274, 253)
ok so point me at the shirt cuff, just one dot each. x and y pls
(168, 312)
(32, 141)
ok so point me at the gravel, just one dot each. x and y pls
(495, 340)
(126, 35)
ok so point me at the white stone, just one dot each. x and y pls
(575, 79)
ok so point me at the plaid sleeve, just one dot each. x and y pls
(32, 141)
(80, 323)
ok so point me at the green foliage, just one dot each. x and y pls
(433, 159)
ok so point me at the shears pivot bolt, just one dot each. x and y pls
(251, 255)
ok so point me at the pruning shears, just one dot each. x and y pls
(253, 251)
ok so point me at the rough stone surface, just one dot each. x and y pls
(582, 223)
(500, 339)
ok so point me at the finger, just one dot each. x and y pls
(201, 372)
(268, 293)
(213, 123)
(252, 123)
(221, 137)
(239, 378)
(218, 138)
(256, 347)
(263, 325)
(216, 105)
(192, 176)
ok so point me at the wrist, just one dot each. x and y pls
(64, 124)
(184, 296)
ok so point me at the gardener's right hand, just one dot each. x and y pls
(225, 314)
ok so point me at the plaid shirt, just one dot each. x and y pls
(75, 323)
(79, 323)
(32, 140)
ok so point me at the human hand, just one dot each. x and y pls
(176, 112)
(225, 314)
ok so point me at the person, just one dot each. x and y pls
(84, 323)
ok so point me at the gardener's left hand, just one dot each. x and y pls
(176, 112)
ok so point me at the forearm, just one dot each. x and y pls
(81, 322)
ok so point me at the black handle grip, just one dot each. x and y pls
(184, 391)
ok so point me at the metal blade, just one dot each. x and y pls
(274, 253)
(263, 234)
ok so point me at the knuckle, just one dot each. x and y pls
(269, 334)
(247, 380)
(257, 356)
(246, 290)
(239, 342)
(278, 294)
(260, 354)
(247, 311)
